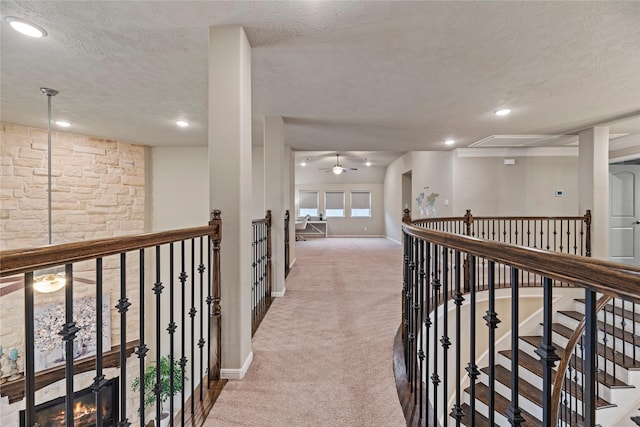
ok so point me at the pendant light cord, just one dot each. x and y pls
(49, 92)
(49, 164)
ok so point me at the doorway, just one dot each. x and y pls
(406, 191)
(624, 213)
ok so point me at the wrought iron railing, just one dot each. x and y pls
(261, 276)
(441, 271)
(186, 261)
(287, 249)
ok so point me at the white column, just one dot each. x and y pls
(289, 200)
(274, 166)
(230, 187)
(594, 186)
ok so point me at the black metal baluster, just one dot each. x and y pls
(578, 381)
(633, 318)
(68, 334)
(201, 270)
(547, 353)
(613, 333)
(605, 340)
(172, 330)
(98, 382)
(548, 236)
(192, 315)
(254, 267)
(435, 378)
(183, 359)
(405, 298)
(514, 414)
(157, 290)
(409, 311)
(623, 325)
(589, 362)
(492, 323)
(209, 301)
(123, 306)
(420, 308)
(445, 341)
(29, 354)
(457, 300)
(417, 382)
(472, 368)
(142, 349)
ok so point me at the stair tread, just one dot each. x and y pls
(480, 420)
(619, 311)
(502, 404)
(619, 358)
(532, 364)
(611, 330)
(529, 391)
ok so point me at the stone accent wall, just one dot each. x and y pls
(98, 191)
(97, 187)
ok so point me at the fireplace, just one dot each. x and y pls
(52, 413)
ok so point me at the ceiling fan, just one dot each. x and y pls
(338, 168)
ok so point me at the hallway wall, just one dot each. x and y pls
(478, 179)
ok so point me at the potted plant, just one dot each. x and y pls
(149, 381)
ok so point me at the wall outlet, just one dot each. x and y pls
(365, 229)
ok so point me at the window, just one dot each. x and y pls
(360, 204)
(308, 203)
(334, 203)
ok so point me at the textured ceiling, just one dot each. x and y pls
(345, 76)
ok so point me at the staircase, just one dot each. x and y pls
(618, 397)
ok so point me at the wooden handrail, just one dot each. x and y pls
(25, 260)
(564, 362)
(601, 276)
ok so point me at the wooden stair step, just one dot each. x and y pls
(608, 328)
(502, 404)
(533, 365)
(619, 358)
(480, 420)
(532, 393)
(618, 311)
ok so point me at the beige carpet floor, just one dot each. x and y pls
(323, 353)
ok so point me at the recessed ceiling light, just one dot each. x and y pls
(182, 123)
(450, 142)
(25, 27)
(63, 123)
(303, 164)
(503, 112)
(368, 163)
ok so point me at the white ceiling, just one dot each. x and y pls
(345, 76)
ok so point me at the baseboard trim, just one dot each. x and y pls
(377, 236)
(237, 374)
(292, 263)
(393, 240)
(279, 294)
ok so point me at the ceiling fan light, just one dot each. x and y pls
(49, 281)
(337, 170)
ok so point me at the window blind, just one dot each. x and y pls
(334, 200)
(360, 200)
(308, 199)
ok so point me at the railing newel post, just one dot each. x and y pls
(215, 315)
(406, 216)
(587, 221)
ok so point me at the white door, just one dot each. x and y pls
(624, 210)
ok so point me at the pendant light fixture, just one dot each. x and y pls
(50, 279)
